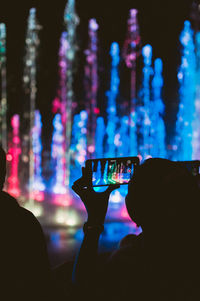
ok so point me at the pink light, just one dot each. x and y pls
(96, 111)
(93, 24)
(14, 192)
(37, 196)
(62, 200)
(13, 157)
(124, 214)
(12, 180)
(56, 105)
(133, 12)
(15, 121)
(81, 159)
(16, 140)
(9, 157)
(91, 149)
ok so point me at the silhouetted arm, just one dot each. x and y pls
(84, 271)
(85, 267)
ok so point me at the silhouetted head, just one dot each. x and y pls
(2, 167)
(162, 194)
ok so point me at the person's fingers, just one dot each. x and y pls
(83, 171)
(82, 182)
(78, 186)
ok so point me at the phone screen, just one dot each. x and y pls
(112, 171)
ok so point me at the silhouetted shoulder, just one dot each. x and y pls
(24, 251)
(8, 202)
(16, 216)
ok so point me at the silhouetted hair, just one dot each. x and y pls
(164, 198)
(2, 167)
(162, 189)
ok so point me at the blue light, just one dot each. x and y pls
(58, 155)
(157, 123)
(123, 138)
(99, 139)
(112, 118)
(196, 123)
(38, 184)
(186, 78)
(78, 147)
(147, 54)
(144, 109)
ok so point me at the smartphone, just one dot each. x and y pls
(192, 166)
(111, 171)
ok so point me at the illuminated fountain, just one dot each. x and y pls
(87, 134)
(71, 21)
(38, 182)
(28, 121)
(130, 54)
(78, 144)
(158, 131)
(63, 106)
(196, 123)
(112, 118)
(91, 86)
(14, 151)
(187, 87)
(58, 188)
(144, 108)
(3, 96)
(57, 155)
(99, 137)
(58, 146)
(83, 133)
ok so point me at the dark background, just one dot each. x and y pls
(160, 25)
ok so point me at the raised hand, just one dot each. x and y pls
(96, 203)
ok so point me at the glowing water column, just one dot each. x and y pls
(196, 123)
(99, 137)
(112, 119)
(157, 123)
(122, 138)
(62, 91)
(145, 143)
(130, 53)
(59, 103)
(78, 144)
(71, 20)
(57, 153)
(3, 100)
(59, 107)
(38, 184)
(30, 88)
(91, 86)
(14, 152)
(186, 78)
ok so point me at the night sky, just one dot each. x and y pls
(160, 25)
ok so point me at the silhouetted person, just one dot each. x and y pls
(162, 263)
(24, 268)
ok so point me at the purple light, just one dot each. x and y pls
(93, 25)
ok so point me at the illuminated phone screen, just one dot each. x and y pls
(112, 171)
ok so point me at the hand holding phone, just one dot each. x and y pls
(96, 203)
